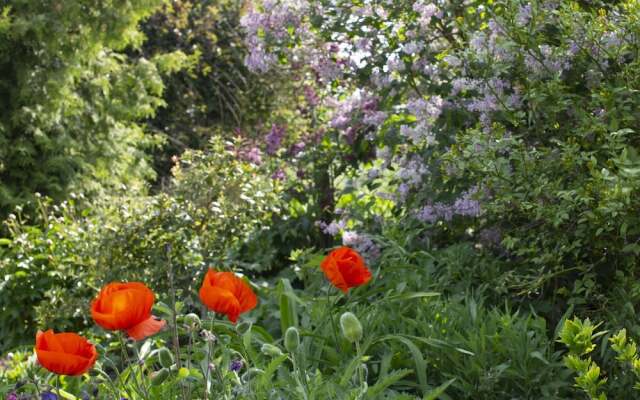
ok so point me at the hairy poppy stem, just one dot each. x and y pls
(333, 322)
(125, 354)
(299, 377)
(360, 371)
(174, 319)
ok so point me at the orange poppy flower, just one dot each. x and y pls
(65, 353)
(225, 293)
(127, 307)
(345, 268)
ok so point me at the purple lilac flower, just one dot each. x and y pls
(426, 11)
(258, 60)
(236, 365)
(279, 175)
(12, 396)
(552, 61)
(465, 205)
(394, 63)
(348, 112)
(412, 47)
(524, 15)
(362, 244)
(325, 65)
(253, 155)
(333, 228)
(271, 24)
(374, 118)
(311, 96)
(297, 148)
(363, 45)
(274, 138)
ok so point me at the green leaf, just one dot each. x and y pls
(439, 391)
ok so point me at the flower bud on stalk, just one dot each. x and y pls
(292, 339)
(165, 357)
(271, 350)
(351, 327)
(158, 377)
(192, 321)
(243, 327)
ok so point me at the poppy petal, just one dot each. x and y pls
(330, 269)
(221, 301)
(247, 299)
(146, 328)
(64, 363)
(64, 353)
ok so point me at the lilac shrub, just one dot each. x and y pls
(501, 116)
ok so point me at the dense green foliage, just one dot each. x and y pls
(71, 101)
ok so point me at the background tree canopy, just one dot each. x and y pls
(72, 102)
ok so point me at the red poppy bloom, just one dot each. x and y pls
(225, 293)
(345, 268)
(65, 353)
(127, 307)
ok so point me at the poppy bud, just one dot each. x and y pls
(157, 377)
(165, 357)
(291, 339)
(243, 327)
(351, 327)
(270, 350)
(192, 321)
(251, 373)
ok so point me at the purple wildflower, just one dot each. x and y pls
(48, 396)
(236, 365)
(279, 175)
(274, 138)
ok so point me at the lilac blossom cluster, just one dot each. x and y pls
(271, 24)
(410, 173)
(357, 110)
(426, 113)
(251, 154)
(333, 228)
(426, 10)
(274, 138)
(362, 244)
(466, 205)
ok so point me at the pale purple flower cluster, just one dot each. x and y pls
(410, 173)
(360, 108)
(326, 64)
(297, 148)
(252, 155)
(362, 244)
(412, 47)
(269, 25)
(311, 96)
(425, 10)
(278, 175)
(333, 228)
(274, 138)
(426, 113)
(466, 205)
(524, 14)
(549, 60)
